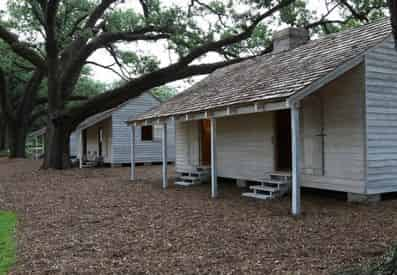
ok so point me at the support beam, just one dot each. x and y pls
(295, 135)
(132, 141)
(214, 181)
(164, 156)
(81, 150)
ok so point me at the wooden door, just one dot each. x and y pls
(84, 143)
(283, 141)
(100, 142)
(205, 142)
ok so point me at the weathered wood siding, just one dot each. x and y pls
(339, 108)
(381, 106)
(187, 139)
(245, 146)
(146, 151)
(74, 144)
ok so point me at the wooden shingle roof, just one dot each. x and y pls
(274, 77)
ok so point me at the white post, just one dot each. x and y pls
(132, 140)
(81, 150)
(295, 133)
(164, 156)
(214, 182)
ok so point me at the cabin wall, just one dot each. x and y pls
(245, 147)
(92, 140)
(146, 151)
(338, 108)
(74, 144)
(381, 106)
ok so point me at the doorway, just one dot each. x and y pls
(205, 142)
(283, 142)
(100, 141)
(84, 145)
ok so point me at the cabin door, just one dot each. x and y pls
(283, 144)
(100, 142)
(84, 140)
(205, 142)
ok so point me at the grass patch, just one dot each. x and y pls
(7, 241)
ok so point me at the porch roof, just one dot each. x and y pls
(275, 77)
(95, 119)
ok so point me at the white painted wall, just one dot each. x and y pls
(146, 151)
(381, 107)
(343, 118)
(245, 146)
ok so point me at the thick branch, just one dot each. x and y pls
(44, 100)
(22, 49)
(136, 87)
(98, 13)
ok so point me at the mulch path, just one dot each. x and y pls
(94, 221)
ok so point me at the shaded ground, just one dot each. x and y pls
(95, 221)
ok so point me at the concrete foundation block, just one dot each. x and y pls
(116, 165)
(363, 198)
(241, 183)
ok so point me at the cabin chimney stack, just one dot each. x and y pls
(289, 38)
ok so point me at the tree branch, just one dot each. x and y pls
(108, 67)
(393, 18)
(212, 46)
(355, 13)
(22, 49)
(5, 105)
(137, 86)
(44, 100)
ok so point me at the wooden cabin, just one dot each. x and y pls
(320, 113)
(106, 137)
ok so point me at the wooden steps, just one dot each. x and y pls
(192, 176)
(275, 185)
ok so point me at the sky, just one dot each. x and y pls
(104, 58)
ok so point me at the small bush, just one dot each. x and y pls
(387, 265)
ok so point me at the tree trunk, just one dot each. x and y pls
(17, 140)
(3, 134)
(57, 155)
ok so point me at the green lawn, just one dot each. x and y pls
(7, 241)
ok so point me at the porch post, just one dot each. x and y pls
(164, 156)
(295, 129)
(214, 182)
(81, 150)
(132, 142)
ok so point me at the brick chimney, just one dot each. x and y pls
(289, 38)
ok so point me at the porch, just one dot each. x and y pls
(258, 146)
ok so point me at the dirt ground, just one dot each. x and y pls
(94, 221)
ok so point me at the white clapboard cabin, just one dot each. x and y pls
(321, 113)
(106, 137)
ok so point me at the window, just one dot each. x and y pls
(151, 133)
(147, 133)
